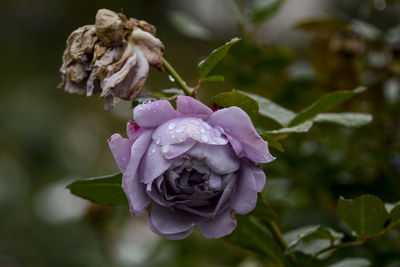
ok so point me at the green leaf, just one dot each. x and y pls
(188, 26)
(272, 142)
(352, 262)
(348, 119)
(252, 235)
(366, 215)
(172, 91)
(265, 9)
(214, 78)
(323, 104)
(311, 239)
(272, 110)
(234, 98)
(206, 65)
(105, 190)
(301, 128)
(144, 98)
(263, 211)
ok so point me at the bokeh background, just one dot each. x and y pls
(292, 55)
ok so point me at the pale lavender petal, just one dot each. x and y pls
(177, 236)
(178, 130)
(153, 114)
(153, 164)
(244, 197)
(220, 226)
(134, 190)
(237, 124)
(166, 221)
(133, 130)
(221, 159)
(228, 191)
(190, 107)
(215, 181)
(121, 149)
(175, 150)
(259, 176)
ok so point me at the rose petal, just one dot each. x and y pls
(153, 164)
(151, 46)
(134, 190)
(128, 86)
(244, 197)
(166, 221)
(237, 124)
(215, 181)
(177, 236)
(121, 149)
(175, 150)
(217, 227)
(259, 176)
(226, 195)
(190, 107)
(153, 114)
(179, 130)
(133, 130)
(221, 159)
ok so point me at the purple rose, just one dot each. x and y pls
(199, 167)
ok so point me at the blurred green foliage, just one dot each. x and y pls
(49, 137)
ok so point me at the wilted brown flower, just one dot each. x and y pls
(110, 58)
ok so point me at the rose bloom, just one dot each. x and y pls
(198, 167)
(110, 58)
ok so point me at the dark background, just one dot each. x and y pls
(48, 137)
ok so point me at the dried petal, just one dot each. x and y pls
(109, 27)
(110, 58)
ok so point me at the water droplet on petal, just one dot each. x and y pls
(181, 128)
(165, 148)
(206, 126)
(158, 140)
(153, 151)
(204, 138)
(171, 126)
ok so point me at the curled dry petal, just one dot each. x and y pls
(110, 58)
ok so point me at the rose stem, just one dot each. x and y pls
(177, 78)
(274, 229)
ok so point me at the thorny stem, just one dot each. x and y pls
(274, 229)
(179, 81)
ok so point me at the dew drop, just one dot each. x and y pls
(158, 140)
(165, 148)
(204, 138)
(181, 128)
(171, 78)
(206, 126)
(153, 151)
(202, 130)
(171, 126)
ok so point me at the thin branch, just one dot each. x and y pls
(179, 81)
(341, 245)
(274, 229)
